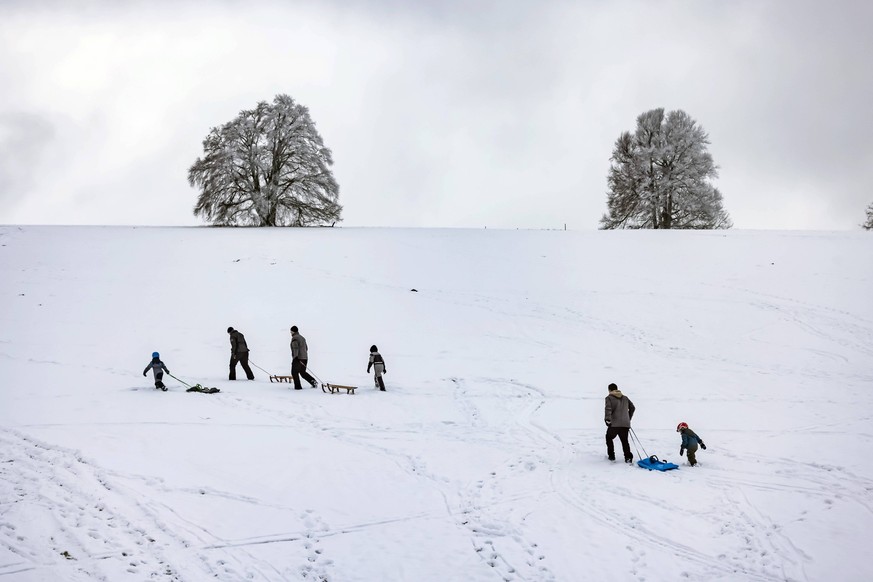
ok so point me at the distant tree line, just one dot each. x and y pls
(269, 167)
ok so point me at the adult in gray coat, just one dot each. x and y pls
(617, 416)
(239, 352)
(299, 357)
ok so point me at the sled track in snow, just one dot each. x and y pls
(94, 539)
(813, 318)
(815, 479)
(499, 543)
(493, 536)
(489, 532)
(106, 529)
(728, 565)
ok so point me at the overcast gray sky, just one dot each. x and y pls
(458, 114)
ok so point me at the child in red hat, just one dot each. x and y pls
(690, 440)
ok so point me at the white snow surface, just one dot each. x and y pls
(485, 458)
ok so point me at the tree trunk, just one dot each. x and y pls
(667, 219)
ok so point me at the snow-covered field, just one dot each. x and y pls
(485, 458)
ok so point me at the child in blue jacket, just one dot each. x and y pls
(158, 368)
(690, 440)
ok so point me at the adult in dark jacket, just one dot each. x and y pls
(299, 357)
(239, 352)
(617, 416)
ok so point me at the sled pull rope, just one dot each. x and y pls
(635, 439)
(260, 368)
(174, 378)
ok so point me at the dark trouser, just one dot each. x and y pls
(691, 452)
(243, 359)
(159, 375)
(621, 433)
(378, 370)
(298, 368)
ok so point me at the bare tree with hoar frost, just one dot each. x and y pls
(267, 167)
(659, 176)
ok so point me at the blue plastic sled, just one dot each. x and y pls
(653, 463)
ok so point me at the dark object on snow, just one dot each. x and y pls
(414, 290)
(653, 463)
(203, 389)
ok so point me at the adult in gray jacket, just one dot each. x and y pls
(617, 416)
(239, 352)
(299, 357)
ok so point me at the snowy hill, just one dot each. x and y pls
(485, 458)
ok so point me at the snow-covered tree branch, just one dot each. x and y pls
(659, 176)
(869, 224)
(267, 167)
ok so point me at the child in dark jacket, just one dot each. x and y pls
(690, 440)
(378, 364)
(158, 368)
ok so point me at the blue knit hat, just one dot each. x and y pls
(156, 355)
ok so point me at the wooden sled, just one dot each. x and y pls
(281, 378)
(335, 388)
